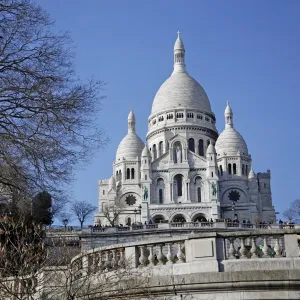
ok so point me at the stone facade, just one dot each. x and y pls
(186, 171)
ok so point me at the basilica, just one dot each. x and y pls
(186, 171)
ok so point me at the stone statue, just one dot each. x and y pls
(178, 154)
(214, 189)
(145, 193)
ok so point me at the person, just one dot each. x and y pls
(280, 224)
(150, 222)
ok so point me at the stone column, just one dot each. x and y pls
(171, 191)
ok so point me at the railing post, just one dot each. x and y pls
(132, 256)
(291, 245)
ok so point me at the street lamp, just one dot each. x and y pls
(233, 208)
(138, 211)
(65, 222)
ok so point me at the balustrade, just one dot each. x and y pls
(265, 246)
(238, 245)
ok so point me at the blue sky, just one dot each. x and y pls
(246, 52)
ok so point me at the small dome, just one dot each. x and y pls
(180, 91)
(211, 149)
(146, 151)
(131, 146)
(230, 141)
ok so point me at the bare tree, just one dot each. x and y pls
(47, 268)
(111, 213)
(290, 214)
(46, 114)
(82, 210)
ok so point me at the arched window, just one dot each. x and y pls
(117, 175)
(145, 176)
(154, 152)
(221, 170)
(192, 145)
(198, 194)
(208, 143)
(160, 196)
(132, 173)
(200, 148)
(243, 169)
(120, 175)
(234, 168)
(128, 174)
(160, 148)
(178, 181)
(246, 170)
(229, 169)
(128, 222)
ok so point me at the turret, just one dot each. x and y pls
(145, 164)
(212, 166)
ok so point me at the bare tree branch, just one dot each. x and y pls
(47, 115)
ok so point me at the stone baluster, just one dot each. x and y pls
(277, 248)
(265, 249)
(151, 256)
(243, 249)
(231, 250)
(170, 256)
(100, 261)
(180, 254)
(107, 260)
(114, 260)
(85, 264)
(122, 258)
(143, 256)
(160, 256)
(253, 249)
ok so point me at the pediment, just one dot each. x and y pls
(162, 162)
(196, 161)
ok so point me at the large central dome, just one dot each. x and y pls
(180, 91)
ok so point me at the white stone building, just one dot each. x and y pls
(186, 171)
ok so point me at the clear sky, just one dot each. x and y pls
(246, 52)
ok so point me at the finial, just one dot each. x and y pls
(178, 33)
(227, 102)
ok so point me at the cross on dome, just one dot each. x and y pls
(178, 33)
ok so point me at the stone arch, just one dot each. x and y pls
(174, 214)
(158, 217)
(160, 190)
(199, 217)
(178, 187)
(179, 218)
(128, 220)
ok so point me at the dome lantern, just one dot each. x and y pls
(179, 55)
(228, 116)
(131, 122)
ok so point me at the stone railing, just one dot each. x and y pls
(206, 248)
(18, 286)
(196, 225)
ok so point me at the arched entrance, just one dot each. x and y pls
(128, 221)
(158, 219)
(199, 218)
(179, 219)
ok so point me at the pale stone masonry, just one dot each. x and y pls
(186, 171)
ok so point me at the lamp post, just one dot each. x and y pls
(138, 211)
(233, 208)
